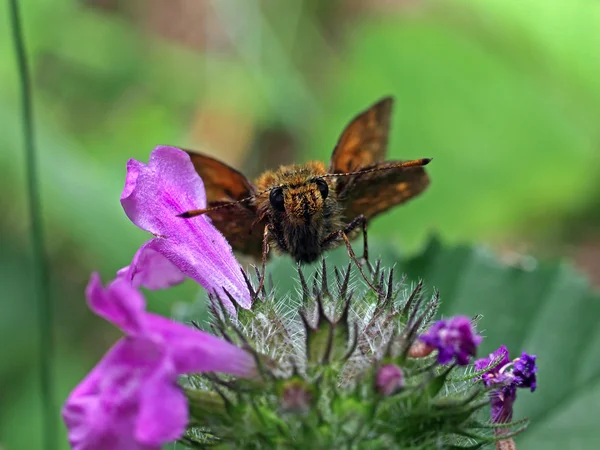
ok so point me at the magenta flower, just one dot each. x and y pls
(131, 400)
(506, 376)
(453, 338)
(153, 196)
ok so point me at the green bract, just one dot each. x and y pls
(319, 354)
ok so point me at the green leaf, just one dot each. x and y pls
(547, 310)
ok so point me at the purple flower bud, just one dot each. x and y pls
(453, 338)
(524, 371)
(389, 379)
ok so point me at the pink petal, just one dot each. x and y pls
(163, 409)
(154, 195)
(91, 424)
(195, 351)
(156, 192)
(119, 303)
(101, 412)
(151, 270)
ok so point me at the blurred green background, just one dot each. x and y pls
(504, 95)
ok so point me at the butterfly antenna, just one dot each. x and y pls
(198, 212)
(403, 165)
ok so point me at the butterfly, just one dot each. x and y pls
(306, 209)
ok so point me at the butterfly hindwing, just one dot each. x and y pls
(238, 222)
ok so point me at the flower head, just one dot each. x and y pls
(506, 376)
(153, 196)
(131, 400)
(453, 338)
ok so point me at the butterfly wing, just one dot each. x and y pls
(364, 141)
(372, 193)
(222, 183)
(239, 223)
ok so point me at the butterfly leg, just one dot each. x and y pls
(263, 266)
(358, 264)
(365, 257)
(360, 220)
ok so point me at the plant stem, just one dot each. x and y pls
(40, 268)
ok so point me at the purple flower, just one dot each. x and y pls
(131, 400)
(506, 376)
(493, 376)
(524, 371)
(389, 379)
(453, 338)
(153, 196)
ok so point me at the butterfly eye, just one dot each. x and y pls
(323, 188)
(276, 199)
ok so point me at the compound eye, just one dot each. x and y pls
(276, 199)
(323, 187)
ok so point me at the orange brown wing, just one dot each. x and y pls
(238, 222)
(241, 227)
(364, 141)
(222, 183)
(373, 193)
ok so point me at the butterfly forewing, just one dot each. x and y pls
(364, 140)
(372, 193)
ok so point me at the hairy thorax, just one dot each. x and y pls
(309, 211)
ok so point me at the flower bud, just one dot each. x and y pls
(296, 397)
(389, 379)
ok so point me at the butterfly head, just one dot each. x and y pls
(300, 195)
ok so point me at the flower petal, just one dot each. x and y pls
(118, 303)
(154, 195)
(500, 355)
(151, 269)
(163, 409)
(94, 423)
(194, 351)
(156, 192)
